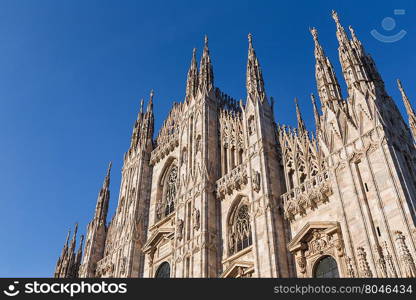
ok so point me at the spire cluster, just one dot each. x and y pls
(327, 83)
(143, 126)
(68, 263)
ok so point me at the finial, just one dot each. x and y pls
(352, 32)
(399, 84)
(335, 16)
(206, 41)
(314, 33)
(313, 98)
(109, 168)
(194, 53)
(67, 236)
(141, 105)
(250, 40)
(150, 103)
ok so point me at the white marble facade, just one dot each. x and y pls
(225, 192)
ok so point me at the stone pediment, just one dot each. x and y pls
(156, 237)
(303, 236)
(238, 269)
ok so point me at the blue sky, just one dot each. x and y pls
(72, 74)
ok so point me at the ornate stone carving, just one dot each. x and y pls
(123, 266)
(314, 241)
(406, 259)
(365, 270)
(350, 267)
(198, 144)
(381, 262)
(196, 217)
(256, 181)
(308, 195)
(239, 231)
(317, 244)
(179, 229)
(234, 180)
(391, 269)
(301, 260)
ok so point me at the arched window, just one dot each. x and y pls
(240, 229)
(170, 190)
(166, 204)
(326, 267)
(163, 271)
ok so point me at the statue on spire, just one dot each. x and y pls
(254, 75)
(206, 74)
(327, 83)
(192, 80)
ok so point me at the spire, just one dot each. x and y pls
(67, 237)
(192, 80)
(79, 252)
(409, 109)
(206, 75)
(107, 177)
(74, 239)
(358, 67)
(101, 208)
(150, 104)
(316, 113)
(326, 81)
(254, 76)
(301, 123)
(341, 34)
(66, 245)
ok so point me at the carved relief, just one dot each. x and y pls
(196, 217)
(123, 266)
(314, 241)
(406, 259)
(350, 267)
(179, 229)
(301, 260)
(256, 181)
(391, 269)
(308, 195)
(365, 270)
(234, 180)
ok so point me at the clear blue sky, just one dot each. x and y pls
(72, 74)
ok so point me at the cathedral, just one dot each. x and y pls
(224, 191)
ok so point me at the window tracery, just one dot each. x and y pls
(240, 229)
(166, 205)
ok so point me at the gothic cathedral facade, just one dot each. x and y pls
(223, 191)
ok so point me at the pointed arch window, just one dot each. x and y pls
(166, 205)
(240, 229)
(170, 190)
